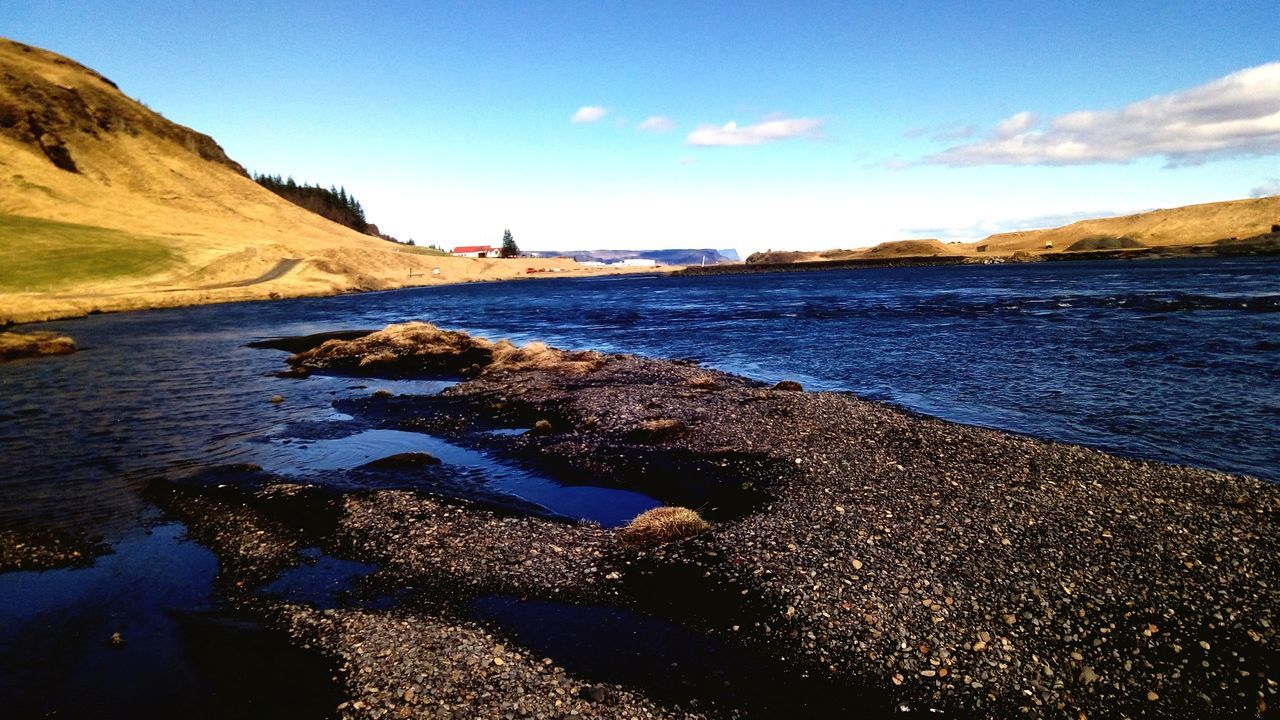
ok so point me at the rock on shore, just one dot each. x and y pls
(915, 561)
(14, 345)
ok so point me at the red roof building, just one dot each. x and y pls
(474, 251)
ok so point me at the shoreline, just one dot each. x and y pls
(79, 306)
(905, 559)
(1262, 246)
(85, 306)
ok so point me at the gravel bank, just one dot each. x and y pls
(920, 562)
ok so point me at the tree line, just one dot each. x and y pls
(333, 203)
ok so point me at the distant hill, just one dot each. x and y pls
(885, 250)
(107, 205)
(1188, 225)
(1212, 227)
(662, 257)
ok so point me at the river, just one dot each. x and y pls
(1177, 361)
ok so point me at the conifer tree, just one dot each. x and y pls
(509, 248)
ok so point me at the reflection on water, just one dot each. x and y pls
(311, 458)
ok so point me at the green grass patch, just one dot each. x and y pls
(40, 255)
(423, 251)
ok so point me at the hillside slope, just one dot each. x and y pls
(84, 166)
(1189, 225)
(1181, 227)
(884, 251)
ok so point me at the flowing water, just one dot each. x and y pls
(1173, 360)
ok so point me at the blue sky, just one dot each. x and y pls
(853, 123)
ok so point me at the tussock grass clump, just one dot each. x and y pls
(662, 525)
(538, 356)
(418, 347)
(412, 346)
(702, 381)
(657, 430)
(18, 345)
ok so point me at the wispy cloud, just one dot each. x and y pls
(1269, 187)
(657, 124)
(1233, 116)
(589, 114)
(771, 129)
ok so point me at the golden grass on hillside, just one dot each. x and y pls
(39, 255)
(662, 525)
(102, 160)
(1188, 225)
(416, 250)
(1204, 224)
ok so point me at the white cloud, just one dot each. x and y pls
(769, 130)
(657, 124)
(589, 114)
(1234, 116)
(1269, 187)
(1016, 124)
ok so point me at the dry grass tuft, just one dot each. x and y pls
(412, 346)
(19, 345)
(538, 356)
(702, 381)
(416, 347)
(663, 525)
(657, 430)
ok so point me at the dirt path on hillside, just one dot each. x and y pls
(280, 270)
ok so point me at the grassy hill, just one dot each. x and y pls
(106, 205)
(71, 255)
(1211, 227)
(1189, 225)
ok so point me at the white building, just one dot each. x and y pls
(637, 262)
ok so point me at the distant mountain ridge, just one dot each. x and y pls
(662, 257)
